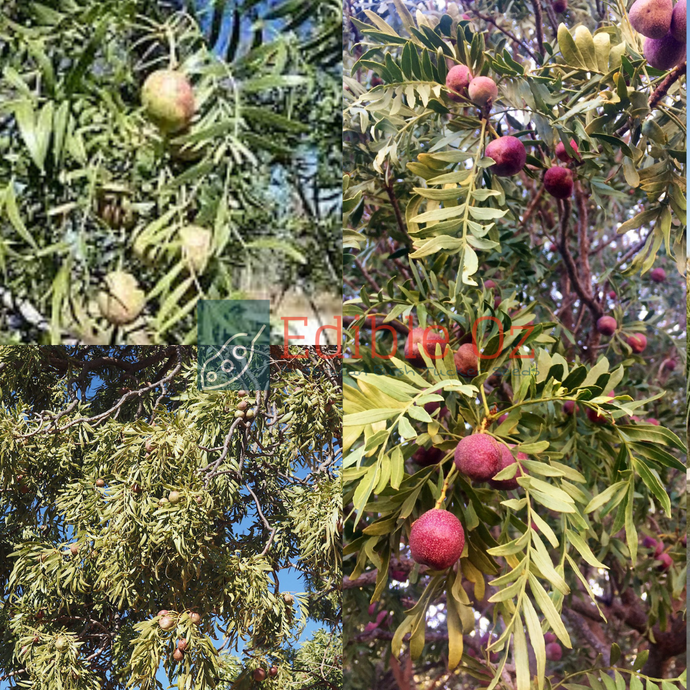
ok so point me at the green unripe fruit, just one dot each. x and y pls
(196, 247)
(61, 644)
(168, 99)
(122, 301)
(250, 414)
(239, 414)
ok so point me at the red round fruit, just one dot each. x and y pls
(569, 407)
(195, 617)
(549, 637)
(482, 91)
(637, 342)
(424, 337)
(562, 154)
(559, 6)
(594, 416)
(666, 561)
(489, 285)
(466, 360)
(100, 483)
(606, 325)
(182, 644)
(651, 420)
(668, 364)
(437, 539)
(509, 154)
(457, 80)
(399, 575)
(554, 651)
(507, 458)
(558, 182)
(178, 655)
(259, 674)
(273, 671)
(657, 275)
(168, 99)
(426, 457)
(612, 294)
(478, 457)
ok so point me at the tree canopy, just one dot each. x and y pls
(148, 525)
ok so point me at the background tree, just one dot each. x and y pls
(90, 185)
(574, 564)
(148, 525)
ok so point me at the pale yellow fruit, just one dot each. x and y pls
(122, 301)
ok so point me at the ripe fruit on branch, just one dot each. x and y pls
(489, 285)
(554, 651)
(182, 644)
(558, 182)
(241, 394)
(288, 599)
(651, 18)
(678, 21)
(562, 154)
(509, 154)
(466, 360)
(657, 275)
(569, 407)
(559, 6)
(437, 539)
(242, 405)
(668, 364)
(74, 549)
(178, 655)
(612, 294)
(61, 644)
(594, 416)
(666, 561)
(195, 617)
(482, 90)
(273, 671)
(549, 637)
(250, 414)
(606, 325)
(478, 457)
(174, 497)
(423, 337)
(651, 420)
(122, 300)
(100, 483)
(136, 489)
(168, 99)
(196, 247)
(164, 612)
(259, 674)
(457, 80)
(664, 53)
(637, 342)
(507, 458)
(166, 623)
(426, 457)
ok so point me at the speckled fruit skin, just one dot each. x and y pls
(416, 338)
(664, 53)
(478, 457)
(554, 651)
(607, 325)
(637, 342)
(679, 21)
(558, 182)
(426, 457)
(437, 539)
(507, 458)
(509, 154)
(657, 275)
(482, 90)
(651, 18)
(562, 154)
(457, 80)
(168, 99)
(466, 360)
(559, 6)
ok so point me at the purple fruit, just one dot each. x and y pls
(554, 651)
(509, 154)
(457, 80)
(437, 539)
(637, 342)
(478, 456)
(562, 154)
(678, 21)
(482, 90)
(568, 407)
(558, 182)
(607, 325)
(664, 53)
(507, 458)
(651, 18)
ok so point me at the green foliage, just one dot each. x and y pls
(191, 516)
(88, 185)
(429, 224)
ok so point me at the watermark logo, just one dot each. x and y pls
(234, 339)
